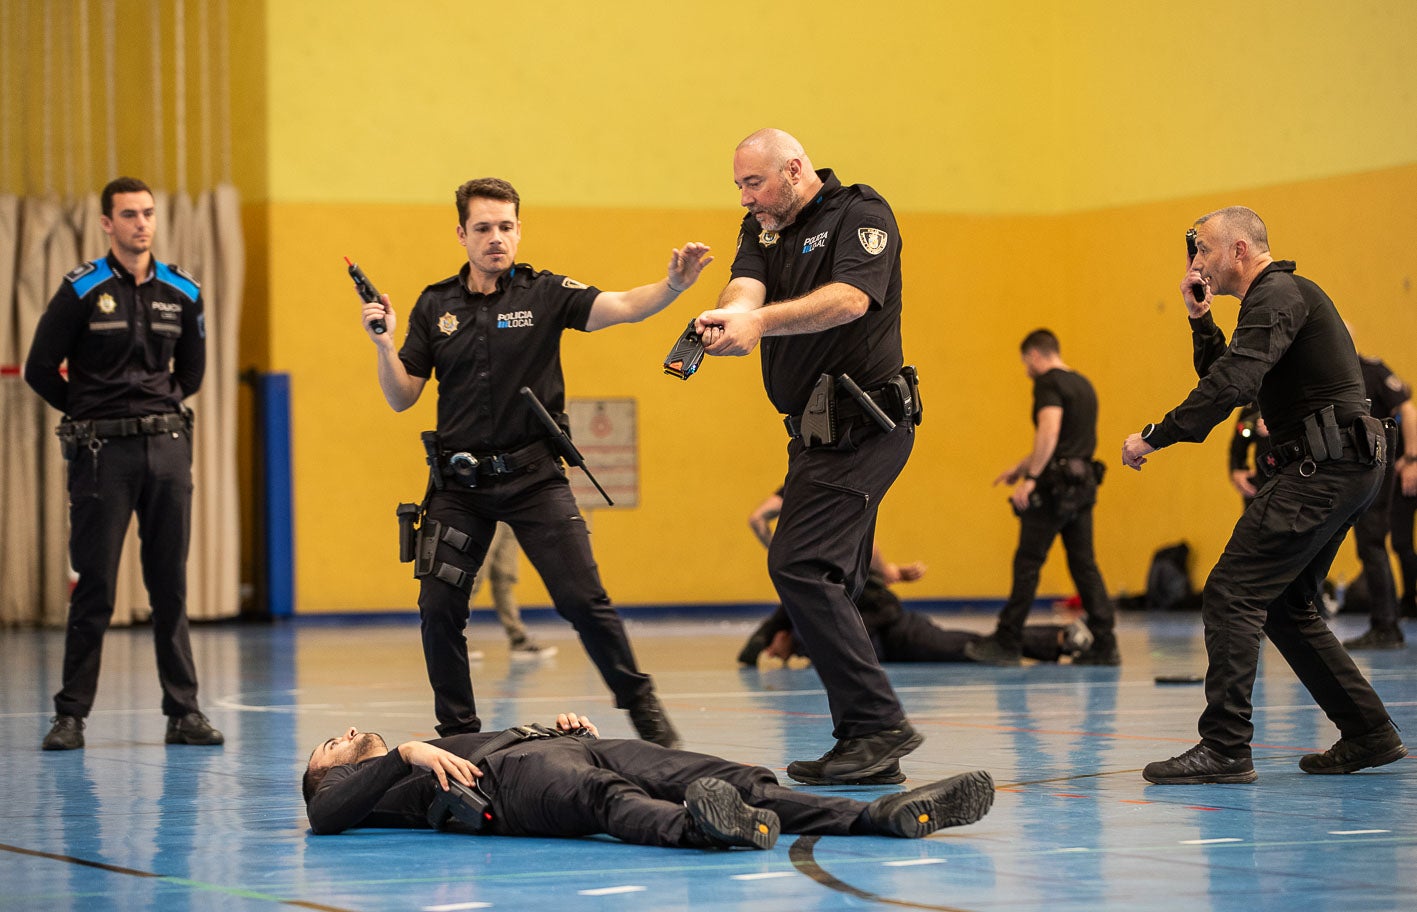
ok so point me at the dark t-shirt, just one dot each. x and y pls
(847, 235)
(483, 349)
(1073, 393)
(1290, 352)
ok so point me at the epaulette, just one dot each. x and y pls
(89, 275)
(177, 278)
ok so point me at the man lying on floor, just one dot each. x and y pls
(567, 781)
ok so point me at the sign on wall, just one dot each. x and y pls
(606, 433)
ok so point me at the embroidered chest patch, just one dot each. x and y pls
(447, 324)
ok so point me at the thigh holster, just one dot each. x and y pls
(425, 563)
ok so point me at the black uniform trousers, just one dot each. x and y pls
(1266, 581)
(818, 560)
(1038, 526)
(538, 505)
(634, 791)
(1370, 535)
(1401, 513)
(916, 638)
(152, 475)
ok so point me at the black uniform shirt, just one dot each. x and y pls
(382, 791)
(133, 349)
(1070, 391)
(845, 234)
(1384, 388)
(1291, 353)
(485, 348)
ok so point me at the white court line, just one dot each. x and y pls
(1211, 841)
(766, 875)
(610, 891)
(1075, 849)
(1355, 832)
(456, 907)
(912, 862)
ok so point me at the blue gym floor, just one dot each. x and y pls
(129, 823)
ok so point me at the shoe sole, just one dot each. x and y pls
(179, 739)
(1383, 759)
(957, 801)
(721, 812)
(1218, 778)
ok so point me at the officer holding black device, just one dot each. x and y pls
(490, 333)
(817, 279)
(1291, 353)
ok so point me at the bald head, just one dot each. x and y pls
(1236, 223)
(778, 147)
(775, 176)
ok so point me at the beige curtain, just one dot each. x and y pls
(41, 239)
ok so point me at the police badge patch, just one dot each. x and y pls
(873, 240)
(106, 304)
(447, 324)
(767, 238)
(569, 282)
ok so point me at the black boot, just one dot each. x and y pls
(919, 812)
(66, 734)
(721, 819)
(647, 715)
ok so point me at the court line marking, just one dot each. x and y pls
(1356, 832)
(1216, 841)
(458, 907)
(912, 862)
(765, 875)
(611, 891)
(181, 881)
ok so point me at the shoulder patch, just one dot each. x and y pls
(87, 277)
(873, 240)
(1394, 383)
(176, 278)
(568, 282)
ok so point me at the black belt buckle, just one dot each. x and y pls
(497, 464)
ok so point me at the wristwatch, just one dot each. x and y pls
(1146, 432)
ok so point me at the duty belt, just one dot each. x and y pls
(848, 409)
(123, 427)
(1297, 450)
(502, 463)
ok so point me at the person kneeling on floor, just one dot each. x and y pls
(566, 781)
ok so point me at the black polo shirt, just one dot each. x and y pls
(1073, 393)
(1384, 388)
(845, 234)
(133, 349)
(484, 348)
(1290, 353)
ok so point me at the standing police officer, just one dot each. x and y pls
(1055, 489)
(817, 279)
(132, 332)
(487, 332)
(1291, 353)
(1390, 398)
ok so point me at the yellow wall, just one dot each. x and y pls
(1044, 165)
